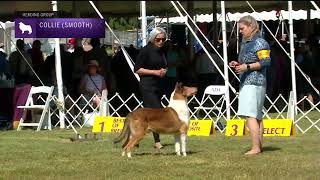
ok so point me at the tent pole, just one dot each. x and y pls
(191, 41)
(137, 39)
(207, 40)
(293, 70)
(143, 22)
(5, 43)
(237, 36)
(214, 24)
(127, 57)
(315, 6)
(225, 57)
(58, 71)
(291, 57)
(201, 44)
(282, 27)
(167, 16)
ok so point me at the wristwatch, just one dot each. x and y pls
(248, 66)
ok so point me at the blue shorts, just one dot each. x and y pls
(251, 100)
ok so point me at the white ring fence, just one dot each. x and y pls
(307, 120)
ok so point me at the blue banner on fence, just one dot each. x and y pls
(59, 28)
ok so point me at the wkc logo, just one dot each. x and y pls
(59, 28)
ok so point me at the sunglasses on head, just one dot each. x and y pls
(160, 39)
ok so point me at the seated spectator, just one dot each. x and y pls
(92, 83)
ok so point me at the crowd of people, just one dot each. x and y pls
(77, 53)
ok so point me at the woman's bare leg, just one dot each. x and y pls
(261, 133)
(254, 129)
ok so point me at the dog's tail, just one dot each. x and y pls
(125, 132)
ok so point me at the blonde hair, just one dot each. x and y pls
(153, 34)
(252, 22)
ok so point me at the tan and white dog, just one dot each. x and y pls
(173, 119)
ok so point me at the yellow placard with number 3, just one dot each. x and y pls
(235, 127)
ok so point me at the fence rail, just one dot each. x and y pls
(75, 109)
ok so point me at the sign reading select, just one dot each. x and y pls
(59, 28)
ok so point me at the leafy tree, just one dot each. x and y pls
(122, 23)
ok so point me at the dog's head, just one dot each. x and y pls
(181, 92)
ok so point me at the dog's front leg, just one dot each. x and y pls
(177, 144)
(183, 144)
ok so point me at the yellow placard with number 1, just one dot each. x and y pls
(108, 124)
(235, 127)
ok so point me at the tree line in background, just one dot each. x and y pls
(122, 23)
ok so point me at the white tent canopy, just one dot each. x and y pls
(264, 15)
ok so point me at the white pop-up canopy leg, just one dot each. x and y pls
(59, 72)
(293, 69)
(143, 22)
(225, 57)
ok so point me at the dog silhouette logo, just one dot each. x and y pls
(25, 27)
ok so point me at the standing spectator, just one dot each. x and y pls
(3, 62)
(78, 70)
(206, 71)
(70, 45)
(303, 59)
(151, 66)
(253, 60)
(50, 70)
(133, 52)
(277, 72)
(20, 64)
(37, 58)
(173, 60)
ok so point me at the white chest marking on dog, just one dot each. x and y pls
(181, 107)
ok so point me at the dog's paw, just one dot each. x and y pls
(129, 155)
(123, 153)
(178, 153)
(184, 154)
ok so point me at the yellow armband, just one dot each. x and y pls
(263, 54)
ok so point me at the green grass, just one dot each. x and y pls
(51, 155)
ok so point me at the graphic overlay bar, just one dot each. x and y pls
(36, 14)
(59, 28)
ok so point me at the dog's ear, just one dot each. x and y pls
(178, 85)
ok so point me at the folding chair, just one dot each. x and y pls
(212, 91)
(37, 93)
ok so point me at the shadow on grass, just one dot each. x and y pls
(270, 148)
(168, 144)
(163, 154)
